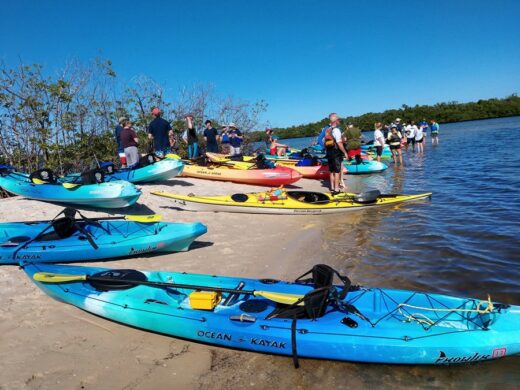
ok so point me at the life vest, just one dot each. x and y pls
(394, 139)
(329, 141)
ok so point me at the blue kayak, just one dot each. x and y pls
(159, 170)
(365, 167)
(115, 194)
(307, 318)
(88, 240)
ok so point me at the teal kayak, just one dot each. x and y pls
(66, 240)
(115, 194)
(307, 318)
(157, 171)
(365, 167)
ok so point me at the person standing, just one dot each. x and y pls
(117, 135)
(394, 141)
(379, 139)
(191, 138)
(161, 134)
(353, 143)
(333, 142)
(210, 136)
(129, 141)
(419, 138)
(434, 128)
(411, 132)
(224, 139)
(235, 140)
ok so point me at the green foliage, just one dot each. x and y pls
(441, 112)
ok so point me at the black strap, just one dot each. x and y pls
(293, 344)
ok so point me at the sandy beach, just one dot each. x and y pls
(47, 345)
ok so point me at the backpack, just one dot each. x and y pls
(329, 140)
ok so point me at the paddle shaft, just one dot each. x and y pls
(173, 285)
(90, 219)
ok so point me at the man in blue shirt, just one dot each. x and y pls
(235, 140)
(161, 133)
(210, 136)
(435, 132)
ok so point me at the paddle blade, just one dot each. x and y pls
(70, 185)
(173, 156)
(287, 299)
(144, 218)
(35, 180)
(48, 277)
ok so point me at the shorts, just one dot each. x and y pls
(122, 158)
(353, 153)
(419, 141)
(395, 147)
(435, 135)
(234, 150)
(273, 151)
(379, 151)
(335, 160)
(411, 141)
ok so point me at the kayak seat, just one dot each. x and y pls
(62, 228)
(314, 306)
(322, 276)
(94, 176)
(45, 175)
(308, 197)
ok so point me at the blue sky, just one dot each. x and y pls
(306, 58)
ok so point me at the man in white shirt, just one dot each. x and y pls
(411, 131)
(379, 140)
(335, 151)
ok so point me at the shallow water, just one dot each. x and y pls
(465, 241)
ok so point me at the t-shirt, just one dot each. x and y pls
(434, 128)
(423, 125)
(128, 137)
(117, 134)
(211, 136)
(192, 136)
(418, 133)
(235, 141)
(377, 135)
(353, 136)
(413, 131)
(160, 128)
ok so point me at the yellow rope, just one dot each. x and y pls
(413, 317)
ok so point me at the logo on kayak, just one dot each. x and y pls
(268, 343)
(214, 335)
(499, 352)
(143, 250)
(444, 359)
(28, 257)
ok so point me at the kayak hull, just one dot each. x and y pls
(366, 167)
(286, 206)
(114, 238)
(267, 177)
(116, 194)
(158, 171)
(456, 338)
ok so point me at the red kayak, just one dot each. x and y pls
(273, 177)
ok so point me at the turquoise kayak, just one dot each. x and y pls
(157, 171)
(365, 167)
(308, 318)
(92, 239)
(115, 194)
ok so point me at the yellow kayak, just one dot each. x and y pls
(279, 201)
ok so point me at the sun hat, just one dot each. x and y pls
(122, 119)
(232, 125)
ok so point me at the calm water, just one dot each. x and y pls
(466, 241)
